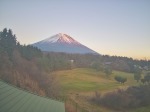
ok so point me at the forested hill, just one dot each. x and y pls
(15, 62)
(27, 67)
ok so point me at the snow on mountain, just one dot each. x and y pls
(51, 39)
(60, 38)
(63, 43)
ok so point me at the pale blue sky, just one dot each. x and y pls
(114, 27)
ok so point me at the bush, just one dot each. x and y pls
(120, 79)
(125, 99)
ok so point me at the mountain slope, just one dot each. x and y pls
(63, 43)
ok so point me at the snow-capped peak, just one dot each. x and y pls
(61, 38)
(62, 43)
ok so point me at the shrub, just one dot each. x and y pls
(120, 79)
(125, 99)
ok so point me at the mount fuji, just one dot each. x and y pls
(63, 43)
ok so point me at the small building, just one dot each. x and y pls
(71, 61)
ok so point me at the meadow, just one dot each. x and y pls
(89, 80)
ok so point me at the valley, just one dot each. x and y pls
(83, 82)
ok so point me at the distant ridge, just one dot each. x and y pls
(63, 43)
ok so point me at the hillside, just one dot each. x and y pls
(80, 85)
(24, 66)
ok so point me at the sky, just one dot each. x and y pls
(110, 27)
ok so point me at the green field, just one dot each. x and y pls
(80, 84)
(89, 80)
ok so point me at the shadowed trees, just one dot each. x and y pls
(7, 42)
(123, 100)
(146, 78)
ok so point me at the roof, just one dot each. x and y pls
(13, 99)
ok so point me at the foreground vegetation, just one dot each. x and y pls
(121, 99)
(85, 86)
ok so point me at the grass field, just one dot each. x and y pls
(89, 80)
(80, 84)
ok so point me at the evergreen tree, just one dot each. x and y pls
(7, 42)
